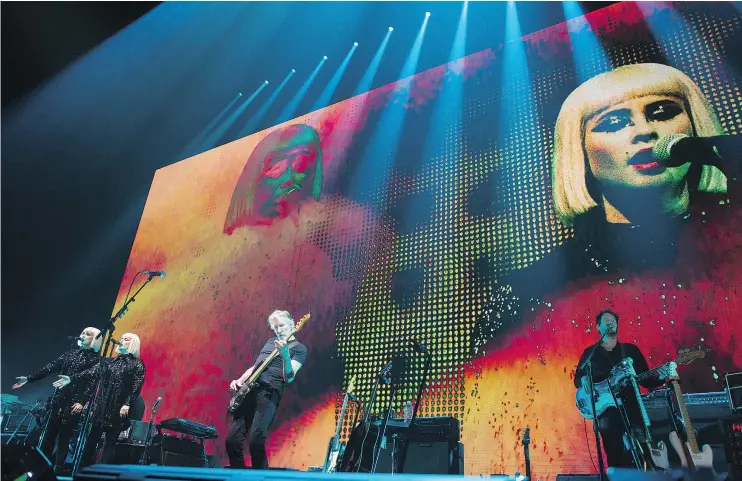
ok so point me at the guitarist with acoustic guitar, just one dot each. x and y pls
(258, 391)
(609, 353)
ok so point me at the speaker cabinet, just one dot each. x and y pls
(128, 453)
(435, 457)
(167, 458)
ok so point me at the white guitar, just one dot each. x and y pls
(603, 397)
(691, 456)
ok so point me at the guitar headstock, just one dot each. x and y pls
(686, 356)
(351, 385)
(302, 321)
(526, 436)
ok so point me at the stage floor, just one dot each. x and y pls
(102, 472)
(159, 473)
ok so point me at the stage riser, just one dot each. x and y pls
(142, 473)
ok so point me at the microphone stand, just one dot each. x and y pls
(588, 366)
(383, 377)
(48, 417)
(423, 384)
(49, 414)
(382, 431)
(421, 387)
(99, 392)
(148, 439)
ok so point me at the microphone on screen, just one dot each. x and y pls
(674, 150)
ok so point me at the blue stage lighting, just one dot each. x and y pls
(391, 29)
(240, 94)
(293, 70)
(255, 119)
(290, 108)
(427, 14)
(266, 82)
(324, 99)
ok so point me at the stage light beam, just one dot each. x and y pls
(448, 109)
(368, 77)
(291, 107)
(324, 99)
(589, 56)
(385, 138)
(196, 146)
(217, 134)
(258, 116)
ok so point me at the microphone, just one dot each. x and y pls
(118, 343)
(674, 150)
(157, 403)
(73, 338)
(154, 273)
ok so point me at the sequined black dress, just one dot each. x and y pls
(71, 363)
(123, 377)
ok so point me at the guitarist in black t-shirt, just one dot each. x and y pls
(253, 417)
(608, 354)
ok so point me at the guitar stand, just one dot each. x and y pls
(630, 441)
(382, 431)
(49, 416)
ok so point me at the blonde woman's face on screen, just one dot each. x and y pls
(619, 141)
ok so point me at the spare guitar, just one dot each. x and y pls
(526, 441)
(336, 448)
(603, 397)
(691, 456)
(239, 397)
(647, 457)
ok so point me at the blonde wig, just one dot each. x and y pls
(569, 164)
(134, 346)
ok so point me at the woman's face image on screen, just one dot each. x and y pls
(603, 145)
(618, 142)
(283, 171)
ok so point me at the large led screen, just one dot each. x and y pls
(489, 209)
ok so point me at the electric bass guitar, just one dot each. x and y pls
(239, 397)
(336, 448)
(604, 398)
(691, 456)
